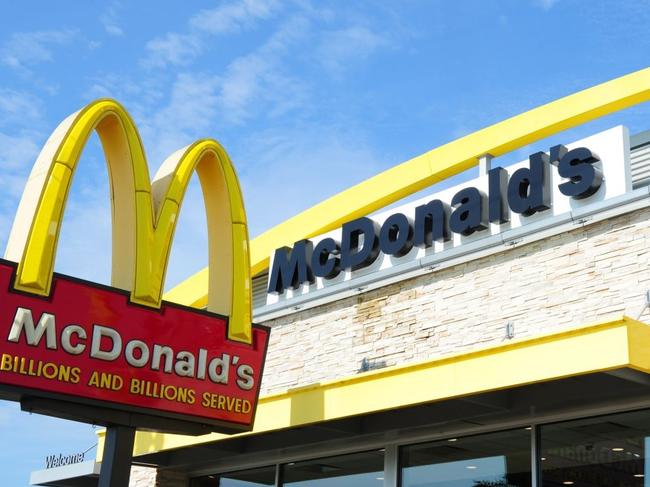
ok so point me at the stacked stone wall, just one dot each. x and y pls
(586, 275)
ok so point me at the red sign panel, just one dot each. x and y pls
(89, 342)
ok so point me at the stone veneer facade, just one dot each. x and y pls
(586, 275)
(578, 277)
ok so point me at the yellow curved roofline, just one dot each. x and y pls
(431, 167)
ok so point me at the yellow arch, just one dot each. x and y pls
(433, 166)
(144, 214)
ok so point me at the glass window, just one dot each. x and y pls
(491, 460)
(604, 451)
(356, 470)
(256, 477)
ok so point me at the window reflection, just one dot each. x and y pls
(604, 451)
(491, 460)
(257, 477)
(356, 470)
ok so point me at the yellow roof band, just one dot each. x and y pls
(433, 166)
(621, 343)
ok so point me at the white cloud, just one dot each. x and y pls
(546, 4)
(181, 49)
(17, 152)
(172, 49)
(28, 48)
(113, 29)
(290, 169)
(343, 48)
(259, 81)
(19, 108)
(241, 84)
(251, 84)
(232, 16)
(190, 113)
(193, 102)
(135, 93)
(257, 78)
(109, 20)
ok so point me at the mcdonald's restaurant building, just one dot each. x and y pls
(491, 333)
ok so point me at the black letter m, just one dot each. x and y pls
(291, 268)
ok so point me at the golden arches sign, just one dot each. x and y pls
(144, 213)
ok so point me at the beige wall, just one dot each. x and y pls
(150, 477)
(575, 278)
(142, 477)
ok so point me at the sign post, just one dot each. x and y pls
(116, 459)
(119, 355)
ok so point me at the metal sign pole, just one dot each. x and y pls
(116, 459)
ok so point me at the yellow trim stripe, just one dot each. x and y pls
(433, 166)
(616, 344)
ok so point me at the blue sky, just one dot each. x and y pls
(308, 97)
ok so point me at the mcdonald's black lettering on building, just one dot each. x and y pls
(503, 204)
